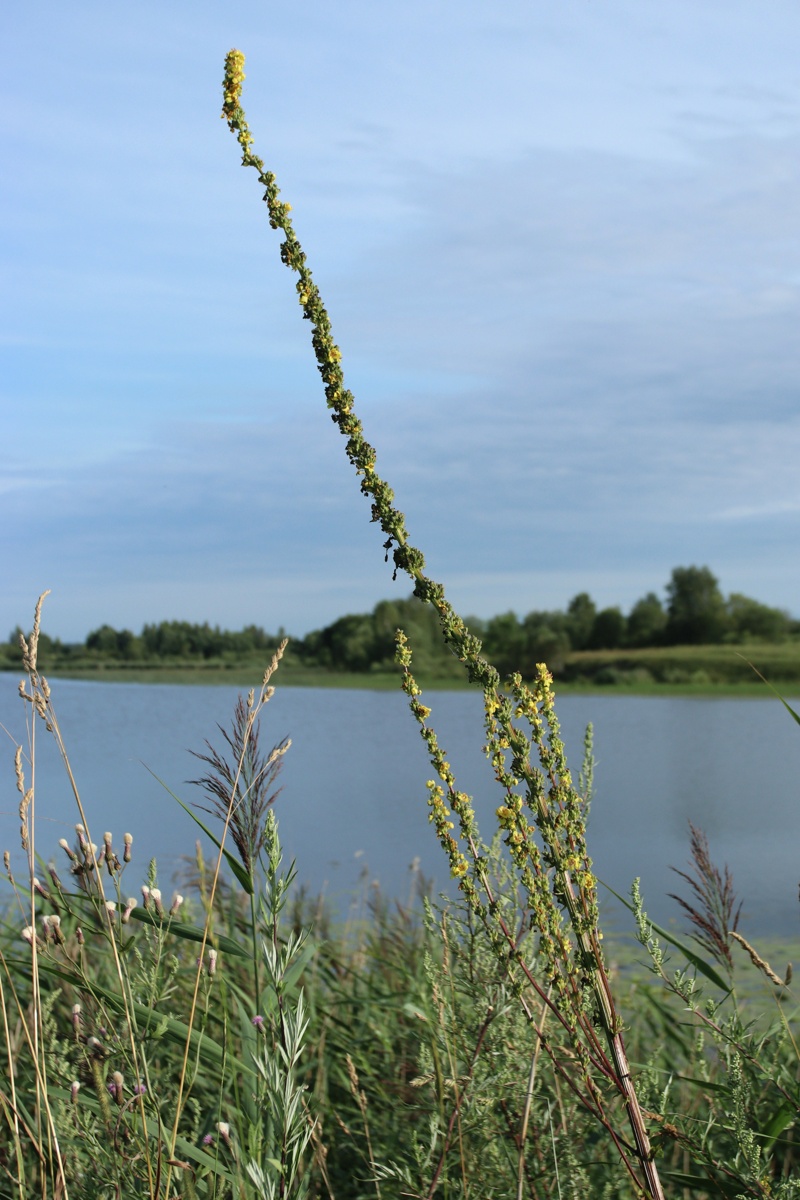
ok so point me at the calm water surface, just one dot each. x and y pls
(353, 801)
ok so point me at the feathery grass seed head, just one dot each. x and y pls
(241, 781)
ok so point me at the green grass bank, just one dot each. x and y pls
(715, 670)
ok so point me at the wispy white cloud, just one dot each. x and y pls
(560, 250)
(772, 508)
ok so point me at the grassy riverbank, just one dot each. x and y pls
(414, 1062)
(676, 670)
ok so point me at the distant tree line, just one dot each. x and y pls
(695, 613)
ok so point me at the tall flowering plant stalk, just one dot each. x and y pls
(542, 816)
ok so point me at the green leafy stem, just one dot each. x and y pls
(557, 877)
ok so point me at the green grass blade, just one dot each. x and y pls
(783, 1116)
(244, 876)
(774, 691)
(691, 955)
(704, 1183)
(208, 1051)
(190, 933)
(154, 1130)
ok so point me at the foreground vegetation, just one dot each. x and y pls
(229, 1040)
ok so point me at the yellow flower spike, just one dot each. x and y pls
(234, 78)
(533, 703)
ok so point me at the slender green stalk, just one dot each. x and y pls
(558, 875)
(253, 708)
(40, 699)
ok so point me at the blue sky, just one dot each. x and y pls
(560, 247)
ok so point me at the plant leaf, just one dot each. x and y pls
(182, 1147)
(203, 1046)
(783, 1116)
(691, 955)
(774, 691)
(244, 876)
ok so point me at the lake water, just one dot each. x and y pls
(353, 805)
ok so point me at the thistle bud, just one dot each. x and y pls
(39, 887)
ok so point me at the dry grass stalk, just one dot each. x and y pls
(761, 963)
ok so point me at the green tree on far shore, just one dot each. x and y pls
(759, 622)
(609, 630)
(581, 613)
(646, 622)
(696, 612)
